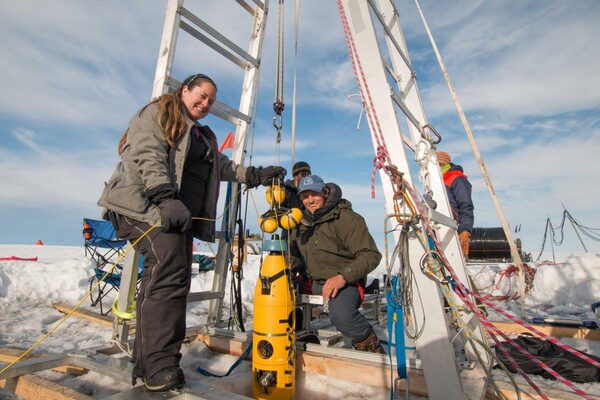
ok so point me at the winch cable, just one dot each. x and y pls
(557, 239)
(405, 274)
(252, 135)
(296, 27)
(237, 272)
(278, 104)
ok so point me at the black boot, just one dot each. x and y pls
(369, 343)
(165, 379)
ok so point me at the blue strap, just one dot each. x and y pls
(395, 320)
(407, 348)
(233, 366)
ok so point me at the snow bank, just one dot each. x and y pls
(576, 283)
(60, 274)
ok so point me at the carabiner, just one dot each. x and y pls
(428, 137)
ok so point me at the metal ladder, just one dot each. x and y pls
(178, 18)
(393, 89)
(390, 83)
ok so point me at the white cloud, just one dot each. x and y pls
(74, 73)
(36, 176)
(70, 67)
(523, 60)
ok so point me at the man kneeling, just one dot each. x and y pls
(333, 243)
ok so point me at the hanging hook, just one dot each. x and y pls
(278, 107)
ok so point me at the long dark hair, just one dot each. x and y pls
(170, 116)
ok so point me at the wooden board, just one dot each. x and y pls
(375, 374)
(512, 328)
(31, 387)
(378, 375)
(85, 314)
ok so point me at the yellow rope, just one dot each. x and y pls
(123, 315)
(59, 323)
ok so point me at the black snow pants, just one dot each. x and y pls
(161, 302)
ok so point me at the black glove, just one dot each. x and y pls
(160, 192)
(256, 176)
(174, 216)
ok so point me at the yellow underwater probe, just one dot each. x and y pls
(274, 337)
(273, 354)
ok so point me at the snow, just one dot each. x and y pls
(28, 289)
(568, 288)
(559, 290)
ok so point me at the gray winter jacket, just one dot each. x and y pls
(148, 161)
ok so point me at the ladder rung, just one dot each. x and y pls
(213, 45)
(392, 73)
(440, 218)
(259, 4)
(246, 6)
(391, 37)
(201, 296)
(228, 113)
(406, 111)
(221, 38)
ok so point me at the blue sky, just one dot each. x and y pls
(73, 74)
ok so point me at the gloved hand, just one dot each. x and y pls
(256, 176)
(174, 216)
(464, 237)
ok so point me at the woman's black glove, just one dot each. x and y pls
(174, 216)
(257, 176)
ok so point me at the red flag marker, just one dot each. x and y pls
(228, 143)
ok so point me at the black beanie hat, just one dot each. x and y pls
(301, 166)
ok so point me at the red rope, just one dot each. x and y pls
(463, 293)
(508, 273)
(382, 155)
(378, 163)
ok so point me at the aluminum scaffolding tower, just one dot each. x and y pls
(439, 346)
(390, 80)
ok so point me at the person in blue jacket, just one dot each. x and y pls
(458, 189)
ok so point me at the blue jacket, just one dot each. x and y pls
(458, 188)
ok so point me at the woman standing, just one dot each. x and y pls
(170, 171)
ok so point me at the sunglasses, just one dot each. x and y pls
(302, 174)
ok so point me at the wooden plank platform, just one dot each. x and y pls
(377, 374)
(512, 328)
(31, 387)
(85, 314)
